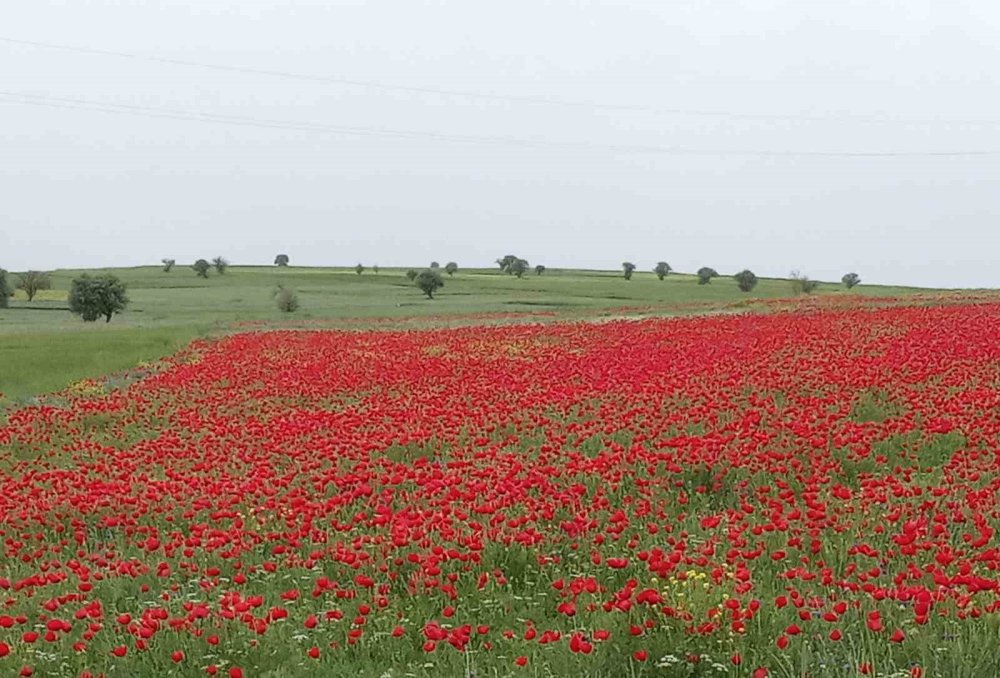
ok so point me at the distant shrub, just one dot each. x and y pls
(662, 269)
(628, 267)
(539, 269)
(705, 275)
(220, 265)
(435, 264)
(288, 301)
(281, 260)
(411, 275)
(801, 284)
(451, 268)
(167, 264)
(429, 282)
(850, 280)
(5, 290)
(201, 267)
(100, 296)
(359, 269)
(746, 280)
(33, 281)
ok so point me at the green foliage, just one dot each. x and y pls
(288, 301)
(746, 280)
(220, 265)
(451, 268)
(411, 275)
(435, 265)
(201, 267)
(5, 290)
(539, 269)
(506, 262)
(662, 269)
(100, 296)
(33, 281)
(628, 267)
(850, 280)
(519, 267)
(359, 269)
(167, 264)
(705, 275)
(429, 281)
(801, 284)
(281, 260)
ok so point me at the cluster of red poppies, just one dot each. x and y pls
(748, 492)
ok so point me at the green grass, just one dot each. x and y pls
(43, 347)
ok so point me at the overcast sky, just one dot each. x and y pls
(82, 188)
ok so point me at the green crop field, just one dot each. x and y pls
(44, 348)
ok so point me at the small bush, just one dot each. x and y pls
(746, 280)
(288, 301)
(801, 284)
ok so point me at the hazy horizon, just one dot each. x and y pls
(768, 86)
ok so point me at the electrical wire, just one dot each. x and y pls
(372, 84)
(292, 125)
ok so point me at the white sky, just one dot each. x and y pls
(85, 188)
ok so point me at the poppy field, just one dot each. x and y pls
(801, 493)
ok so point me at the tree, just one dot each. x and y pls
(359, 269)
(201, 268)
(662, 269)
(167, 264)
(411, 275)
(628, 267)
(91, 298)
(5, 290)
(539, 269)
(429, 281)
(375, 269)
(746, 280)
(32, 281)
(220, 265)
(519, 267)
(288, 301)
(281, 260)
(850, 280)
(506, 263)
(705, 275)
(451, 268)
(435, 264)
(801, 284)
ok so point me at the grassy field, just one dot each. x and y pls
(44, 348)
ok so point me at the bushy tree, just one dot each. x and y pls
(288, 301)
(411, 275)
(705, 275)
(850, 280)
(5, 290)
(662, 269)
(506, 263)
(435, 265)
(451, 268)
(429, 281)
(167, 264)
(539, 269)
(746, 280)
(220, 265)
(801, 284)
(628, 267)
(33, 281)
(201, 267)
(359, 269)
(281, 260)
(519, 267)
(100, 296)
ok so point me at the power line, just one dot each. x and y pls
(373, 84)
(31, 99)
